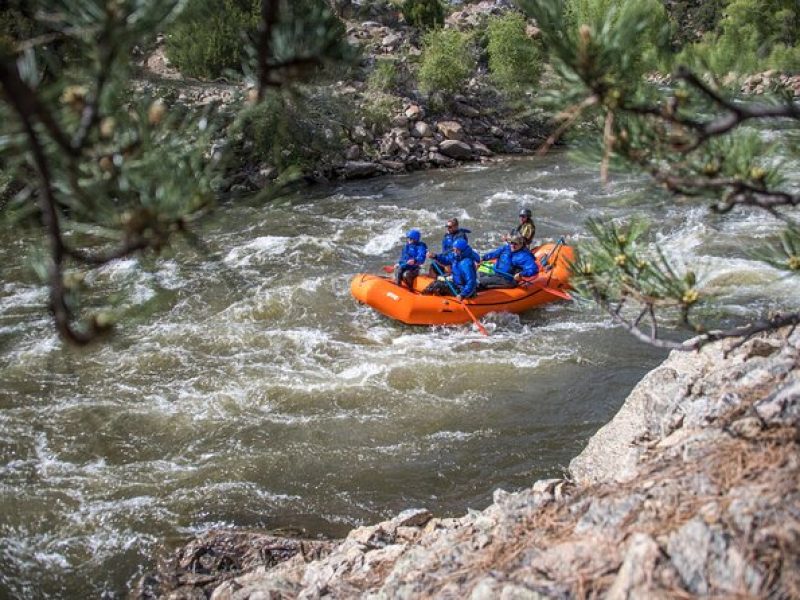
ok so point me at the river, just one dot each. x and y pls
(246, 388)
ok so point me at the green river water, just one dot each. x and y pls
(246, 388)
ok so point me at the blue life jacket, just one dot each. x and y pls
(450, 238)
(509, 262)
(449, 257)
(464, 273)
(413, 250)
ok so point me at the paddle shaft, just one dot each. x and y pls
(545, 288)
(478, 324)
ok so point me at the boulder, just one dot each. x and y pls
(413, 112)
(422, 129)
(456, 149)
(451, 130)
(465, 110)
(355, 169)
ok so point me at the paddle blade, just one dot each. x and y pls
(559, 293)
(475, 320)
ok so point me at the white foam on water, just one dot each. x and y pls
(361, 374)
(257, 251)
(168, 276)
(51, 560)
(458, 436)
(386, 240)
(140, 294)
(559, 196)
(16, 296)
(115, 271)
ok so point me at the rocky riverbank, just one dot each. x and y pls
(395, 128)
(691, 490)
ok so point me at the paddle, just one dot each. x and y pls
(478, 324)
(549, 290)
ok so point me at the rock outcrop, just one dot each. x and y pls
(691, 490)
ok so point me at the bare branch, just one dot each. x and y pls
(27, 103)
(47, 206)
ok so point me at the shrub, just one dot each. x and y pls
(378, 111)
(650, 45)
(514, 58)
(211, 36)
(299, 131)
(753, 35)
(425, 14)
(383, 77)
(447, 61)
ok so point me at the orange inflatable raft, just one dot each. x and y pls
(414, 308)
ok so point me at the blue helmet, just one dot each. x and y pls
(414, 235)
(460, 244)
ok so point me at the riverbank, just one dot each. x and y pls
(378, 123)
(690, 490)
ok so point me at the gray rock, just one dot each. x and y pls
(353, 152)
(354, 169)
(481, 149)
(422, 129)
(607, 513)
(635, 574)
(392, 40)
(412, 517)
(440, 160)
(451, 130)
(688, 549)
(400, 121)
(465, 110)
(613, 452)
(413, 112)
(456, 149)
(781, 408)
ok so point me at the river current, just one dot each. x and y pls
(246, 388)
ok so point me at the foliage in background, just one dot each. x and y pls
(688, 139)
(650, 48)
(424, 14)
(691, 19)
(447, 61)
(378, 109)
(17, 24)
(294, 131)
(384, 76)
(211, 37)
(752, 36)
(515, 61)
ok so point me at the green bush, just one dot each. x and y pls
(294, 131)
(425, 14)
(447, 61)
(383, 77)
(691, 19)
(211, 36)
(650, 44)
(514, 59)
(378, 111)
(753, 35)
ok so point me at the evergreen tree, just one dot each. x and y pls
(105, 172)
(689, 139)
